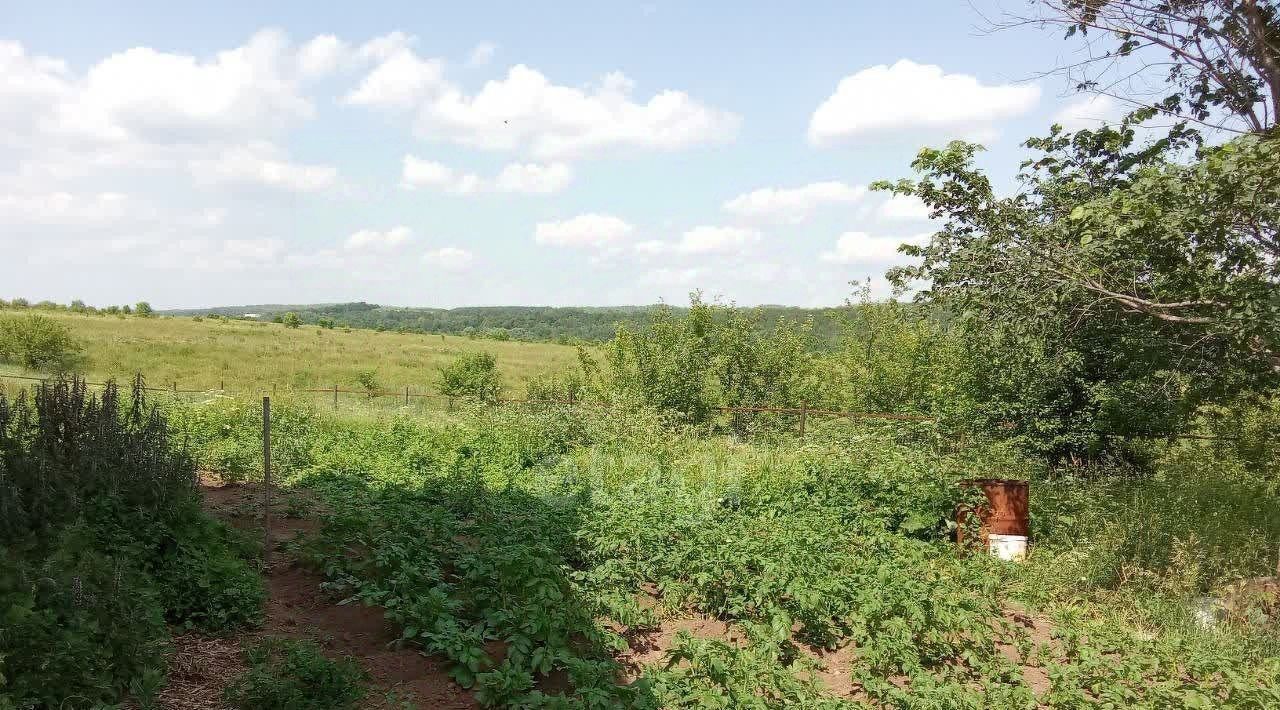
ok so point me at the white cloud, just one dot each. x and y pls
(906, 207)
(419, 173)
(515, 177)
(908, 96)
(262, 165)
(703, 240)
(449, 258)
(400, 81)
(322, 55)
(793, 204)
(67, 209)
(374, 239)
(525, 111)
(586, 230)
(862, 248)
(1089, 111)
(481, 54)
(533, 177)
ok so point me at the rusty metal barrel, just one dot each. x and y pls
(1004, 521)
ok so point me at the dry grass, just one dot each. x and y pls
(255, 357)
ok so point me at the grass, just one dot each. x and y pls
(252, 357)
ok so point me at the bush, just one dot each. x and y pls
(295, 675)
(103, 541)
(291, 320)
(368, 381)
(143, 309)
(473, 375)
(38, 343)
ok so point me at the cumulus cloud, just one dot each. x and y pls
(400, 80)
(793, 204)
(1089, 111)
(526, 111)
(262, 165)
(909, 96)
(533, 177)
(904, 207)
(449, 258)
(703, 239)
(66, 208)
(418, 173)
(862, 248)
(378, 240)
(585, 230)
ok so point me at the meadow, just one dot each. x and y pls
(251, 357)
(638, 550)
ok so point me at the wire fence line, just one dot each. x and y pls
(408, 395)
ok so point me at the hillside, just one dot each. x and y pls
(530, 323)
(251, 356)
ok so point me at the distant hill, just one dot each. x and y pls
(531, 323)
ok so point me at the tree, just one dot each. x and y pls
(1123, 287)
(1212, 62)
(291, 320)
(472, 375)
(38, 343)
(326, 323)
(143, 309)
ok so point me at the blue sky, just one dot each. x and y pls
(489, 153)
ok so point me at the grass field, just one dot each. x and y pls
(249, 357)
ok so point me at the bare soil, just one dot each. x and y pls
(297, 608)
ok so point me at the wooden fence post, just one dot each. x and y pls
(335, 397)
(406, 395)
(804, 414)
(266, 481)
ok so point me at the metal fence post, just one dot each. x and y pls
(266, 481)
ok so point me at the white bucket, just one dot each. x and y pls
(1010, 548)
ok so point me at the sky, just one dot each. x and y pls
(490, 153)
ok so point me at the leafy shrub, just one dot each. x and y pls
(472, 375)
(295, 675)
(77, 624)
(326, 323)
(103, 542)
(143, 309)
(38, 343)
(291, 320)
(368, 380)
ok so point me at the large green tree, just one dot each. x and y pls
(1118, 288)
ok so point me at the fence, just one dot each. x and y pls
(409, 396)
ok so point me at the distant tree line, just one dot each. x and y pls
(566, 325)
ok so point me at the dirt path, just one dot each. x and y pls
(297, 608)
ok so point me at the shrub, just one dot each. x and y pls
(103, 541)
(472, 375)
(368, 380)
(143, 309)
(38, 343)
(295, 675)
(291, 320)
(326, 323)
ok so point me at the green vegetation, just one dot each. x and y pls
(104, 545)
(295, 675)
(37, 343)
(529, 544)
(254, 357)
(500, 323)
(473, 375)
